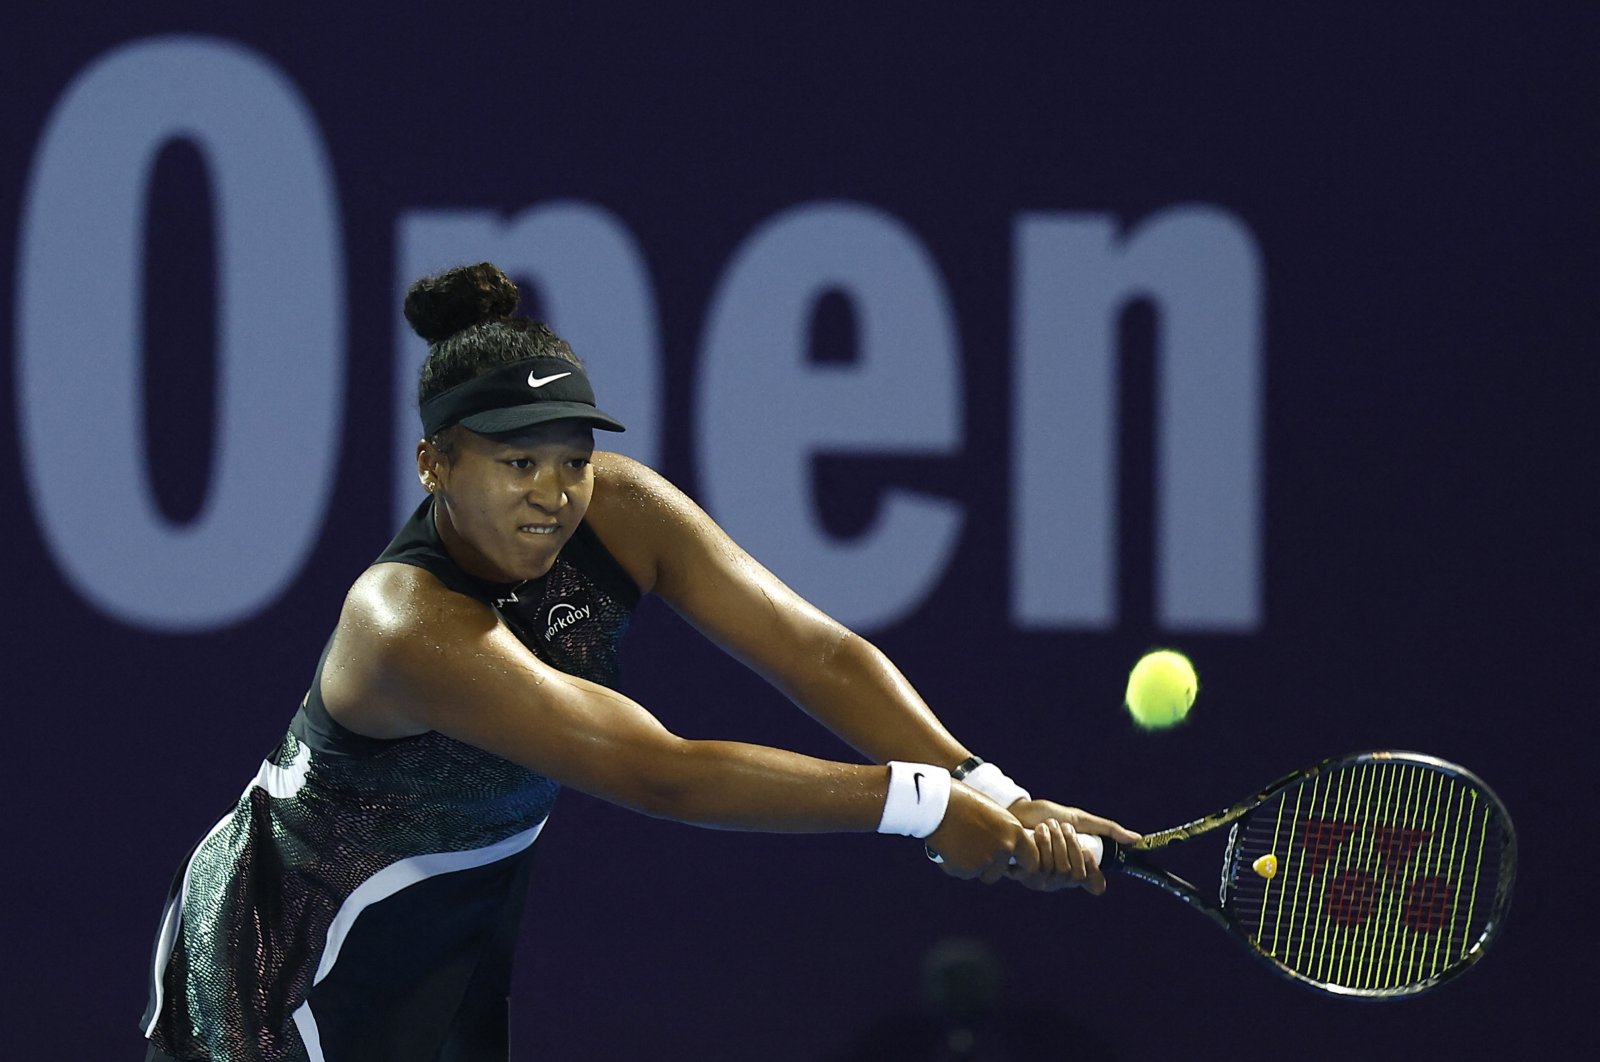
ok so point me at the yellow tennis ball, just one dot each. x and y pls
(1161, 688)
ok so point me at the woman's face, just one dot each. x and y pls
(507, 504)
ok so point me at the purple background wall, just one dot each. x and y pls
(1419, 187)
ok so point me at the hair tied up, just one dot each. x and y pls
(439, 306)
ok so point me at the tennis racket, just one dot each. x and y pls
(1378, 875)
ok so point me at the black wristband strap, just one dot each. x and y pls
(966, 767)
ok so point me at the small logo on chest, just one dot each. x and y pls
(565, 615)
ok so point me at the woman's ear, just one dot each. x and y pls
(428, 461)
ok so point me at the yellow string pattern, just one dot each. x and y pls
(1385, 875)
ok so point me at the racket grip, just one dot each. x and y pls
(1091, 844)
(1093, 847)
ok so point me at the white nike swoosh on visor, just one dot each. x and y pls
(540, 381)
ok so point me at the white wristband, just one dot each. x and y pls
(919, 793)
(987, 779)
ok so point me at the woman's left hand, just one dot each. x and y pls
(1063, 864)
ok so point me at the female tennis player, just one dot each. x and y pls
(361, 899)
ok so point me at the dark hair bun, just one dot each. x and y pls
(440, 306)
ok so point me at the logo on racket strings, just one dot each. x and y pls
(1387, 870)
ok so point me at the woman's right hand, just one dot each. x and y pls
(980, 839)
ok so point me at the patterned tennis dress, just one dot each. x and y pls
(361, 900)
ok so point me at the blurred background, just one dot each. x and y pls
(1023, 340)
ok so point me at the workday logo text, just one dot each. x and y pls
(564, 615)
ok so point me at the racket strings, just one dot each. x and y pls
(1386, 875)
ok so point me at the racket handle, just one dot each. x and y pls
(1093, 847)
(1091, 844)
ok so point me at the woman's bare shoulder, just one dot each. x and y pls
(622, 483)
(634, 510)
(397, 600)
(397, 619)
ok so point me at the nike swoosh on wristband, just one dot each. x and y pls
(916, 780)
(540, 381)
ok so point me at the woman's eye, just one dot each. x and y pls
(520, 463)
(578, 464)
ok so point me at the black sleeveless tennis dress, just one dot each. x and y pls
(361, 900)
